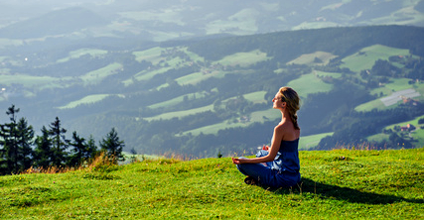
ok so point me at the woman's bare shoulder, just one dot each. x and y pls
(287, 130)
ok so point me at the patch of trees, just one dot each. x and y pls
(338, 41)
(20, 149)
(413, 68)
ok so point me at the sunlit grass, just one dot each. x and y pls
(366, 57)
(348, 184)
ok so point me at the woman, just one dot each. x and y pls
(278, 165)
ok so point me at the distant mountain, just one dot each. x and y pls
(57, 22)
(163, 20)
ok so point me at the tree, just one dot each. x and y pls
(9, 154)
(112, 146)
(59, 143)
(79, 148)
(25, 139)
(82, 150)
(43, 149)
(92, 148)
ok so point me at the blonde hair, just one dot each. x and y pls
(290, 96)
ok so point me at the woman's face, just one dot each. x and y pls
(277, 101)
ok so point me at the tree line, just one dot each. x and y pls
(21, 149)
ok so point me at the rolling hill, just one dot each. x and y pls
(201, 97)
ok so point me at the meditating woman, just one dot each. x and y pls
(278, 165)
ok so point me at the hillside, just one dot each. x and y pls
(337, 184)
(201, 97)
(164, 20)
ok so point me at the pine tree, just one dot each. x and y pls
(112, 146)
(92, 148)
(59, 143)
(8, 133)
(25, 139)
(79, 150)
(43, 150)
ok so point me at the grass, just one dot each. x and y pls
(337, 184)
(309, 84)
(417, 135)
(81, 52)
(308, 59)
(258, 116)
(180, 114)
(243, 59)
(36, 82)
(86, 100)
(365, 58)
(96, 76)
(308, 142)
(256, 97)
(177, 100)
(394, 86)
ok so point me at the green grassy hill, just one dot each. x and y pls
(337, 184)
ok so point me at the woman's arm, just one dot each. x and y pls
(277, 137)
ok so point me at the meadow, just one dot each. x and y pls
(417, 135)
(365, 58)
(336, 184)
(395, 85)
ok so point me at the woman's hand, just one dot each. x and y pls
(236, 160)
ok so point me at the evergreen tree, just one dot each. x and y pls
(8, 133)
(92, 148)
(112, 146)
(25, 139)
(43, 150)
(79, 150)
(59, 143)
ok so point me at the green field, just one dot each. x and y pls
(417, 135)
(308, 142)
(308, 59)
(327, 74)
(152, 55)
(178, 100)
(96, 76)
(256, 97)
(81, 52)
(180, 114)
(365, 58)
(337, 184)
(258, 116)
(86, 100)
(394, 86)
(36, 82)
(243, 59)
(309, 84)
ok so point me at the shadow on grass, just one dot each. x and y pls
(343, 193)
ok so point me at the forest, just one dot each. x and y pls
(22, 150)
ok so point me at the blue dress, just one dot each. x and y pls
(283, 171)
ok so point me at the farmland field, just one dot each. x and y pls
(396, 85)
(244, 59)
(180, 114)
(307, 142)
(365, 58)
(309, 84)
(81, 52)
(96, 76)
(86, 100)
(308, 59)
(177, 100)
